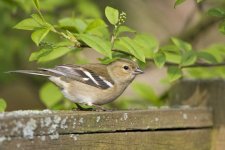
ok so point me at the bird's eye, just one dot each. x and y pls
(125, 67)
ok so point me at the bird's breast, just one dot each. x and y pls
(82, 93)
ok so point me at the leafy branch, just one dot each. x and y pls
(91, 32)
(94, 33)
(111, 40)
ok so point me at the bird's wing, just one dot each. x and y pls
(93, 75)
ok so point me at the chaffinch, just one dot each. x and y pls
(91, 84)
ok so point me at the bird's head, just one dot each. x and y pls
(124, 70)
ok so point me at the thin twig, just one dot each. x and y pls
(196, 65)
(204, 65)
(113, 38)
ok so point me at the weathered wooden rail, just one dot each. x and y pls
(158, 129)
(204, 93)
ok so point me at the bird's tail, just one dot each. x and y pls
(32, 72)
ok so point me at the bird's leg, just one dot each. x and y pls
(100, 108)
(79, 107)
(97, 108)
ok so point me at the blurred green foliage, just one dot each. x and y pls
(178, 2)
(2, 105)
(219, 12)
(147, 93)
(53, 99)
(78, 32)
(16, 45)
(63, 28)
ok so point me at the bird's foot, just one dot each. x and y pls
(80, 108)
(101, 108)
(95, 108)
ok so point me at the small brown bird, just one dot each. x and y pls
(91, 84)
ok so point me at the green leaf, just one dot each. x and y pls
(50, 94)
(88, 9)
(217, 12)
(222, 27)
(65, 44)
(199, 1)
(54, 54)
(38, 35)
(97, 23)
(207, 56)
(172, 53)
(123, 29)
(36, 55)
(101, 32)
(72, 24)
(112, 15)
(148, 44)
(217, 50)
(146, 92)
(159, 59)
(183, 46)
(100, 45)
(2, 105)
(48, 54)
(174, 73)
(128, 45)
(36, 3)
(27, 24)
(188, 58)
(178, 2)
(170, 49)
(39, 20)
(106, 60)
(80, 25)
(173, 58)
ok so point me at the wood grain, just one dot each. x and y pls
(206, 93)
(197, 139)
(30, 123)
(158, 129)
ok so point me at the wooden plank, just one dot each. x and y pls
(194, 139)
(198, 93)
(206, 93)
(219, 138)
(28, 124)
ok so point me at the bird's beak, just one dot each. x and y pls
(138, 71)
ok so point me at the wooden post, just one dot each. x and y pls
(200, 93)
(158, 129)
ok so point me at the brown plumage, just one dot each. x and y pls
(91, 84)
